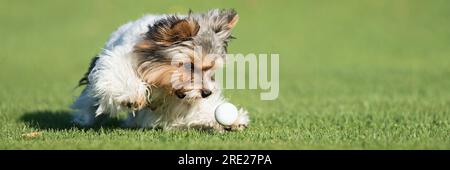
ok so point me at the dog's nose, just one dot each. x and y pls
(205, 93)
(180, 94)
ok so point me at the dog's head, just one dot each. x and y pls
(180, 54)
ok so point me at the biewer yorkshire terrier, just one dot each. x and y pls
(160, 70)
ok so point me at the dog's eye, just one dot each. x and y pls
(213, 77)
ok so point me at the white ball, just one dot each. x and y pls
(226, 114)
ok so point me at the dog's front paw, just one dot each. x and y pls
(135, 104)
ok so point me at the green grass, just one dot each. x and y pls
(353, 75)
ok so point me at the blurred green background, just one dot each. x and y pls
(354, 74)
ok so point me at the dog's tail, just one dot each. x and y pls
(85, 80)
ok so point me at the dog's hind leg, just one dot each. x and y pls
(85, 107)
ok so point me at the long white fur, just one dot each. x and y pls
(114, 80)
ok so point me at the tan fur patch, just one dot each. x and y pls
(166, 33)
(143, 45)
(181, 30)
(184, 30)
(157, 75)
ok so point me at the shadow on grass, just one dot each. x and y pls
(61, 120)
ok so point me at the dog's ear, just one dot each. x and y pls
(232, 18)
(172, 30)
(183, 30)
(224, 20)
(167, 32)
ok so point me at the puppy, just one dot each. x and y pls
(160, 70)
